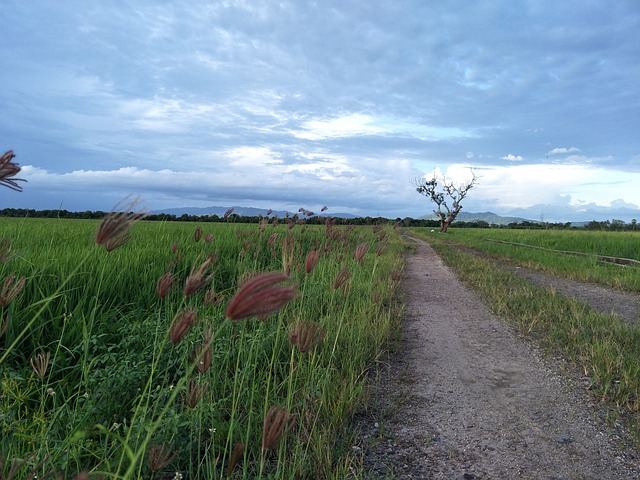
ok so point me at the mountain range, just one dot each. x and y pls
(488, 217)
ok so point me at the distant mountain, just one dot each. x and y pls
(241, 211)
(489, 217)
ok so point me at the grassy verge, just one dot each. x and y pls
(605, 348)
(109, 371)
(587, 268)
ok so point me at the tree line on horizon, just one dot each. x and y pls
(611, 225)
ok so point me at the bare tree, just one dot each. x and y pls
(446, 196)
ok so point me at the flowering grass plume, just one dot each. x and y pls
(40, 363)
(160, 456)
(341, 277)
(311, 260)
(8, 170)
(361, 251)
(165, 284)
(203, 354)
(236, 453)
(197, 235)
(260, 296)
(276, 423)
(114, 228)
(381, 249)
(307, 335)
(5, 251)
(195, 392)
(197, 279)
(182, 324)
(11, 288)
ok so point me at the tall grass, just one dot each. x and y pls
(98, 375)
(585, 268)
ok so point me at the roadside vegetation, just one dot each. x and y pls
(188, 350)
(552, 253)
(604, 348)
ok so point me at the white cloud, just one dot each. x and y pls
(512, 158)
(345, 126)
(255, 177)
(252, 157)
(557, 151)
(163, 115)
(525, 185)
(358, 124)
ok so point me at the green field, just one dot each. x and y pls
(97, 376)
(549, 256)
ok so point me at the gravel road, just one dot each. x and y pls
(466, 398)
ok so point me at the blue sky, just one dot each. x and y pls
(288, 104)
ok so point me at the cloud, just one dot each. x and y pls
(359, 124)
(519, 186)
(557, 151)
(254, 177)
(512, 158)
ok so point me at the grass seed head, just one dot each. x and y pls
(182, 324)
(260, 296)
(382, 248)
(203, 354)
(341, 277)
(195, 392)
(236, 453)
(165, 283)
(273, 238)
(8, 170)
(5, 251)
(197, 279)
(114, 228)
(197, 235)
(160, 456)
(277, 422)
(307, 335)
(40, 363)
(361, 251)
(11, 288)
(311, 260)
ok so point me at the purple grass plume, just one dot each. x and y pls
(8, 170)
(114, 228)
(260, 296)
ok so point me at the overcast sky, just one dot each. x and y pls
(288, 104)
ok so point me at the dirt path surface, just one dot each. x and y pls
(466, 398)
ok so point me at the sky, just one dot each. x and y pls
(344, 103)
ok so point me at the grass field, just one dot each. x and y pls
(601, 347)
(552, 260)
(131, 363)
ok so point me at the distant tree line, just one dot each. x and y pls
(165, 217)
(610, 225)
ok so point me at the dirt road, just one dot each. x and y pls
(466, 398)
